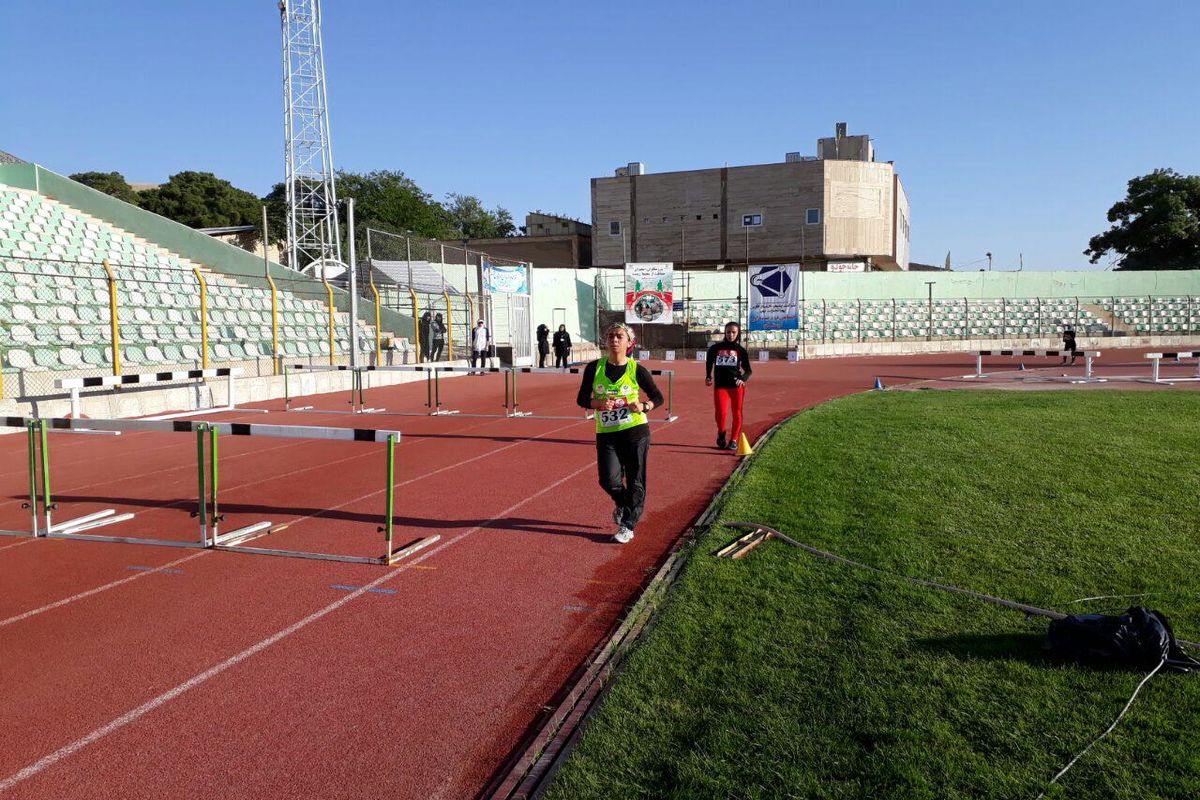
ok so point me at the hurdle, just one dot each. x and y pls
(357, 402)
(670, 394)
(1156, 358)
(357, 394)
(1088, 356)
(134, 379)
(210, 536)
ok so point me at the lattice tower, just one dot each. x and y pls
(311, 194)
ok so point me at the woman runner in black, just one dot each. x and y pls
(726, 369)
(612, 387)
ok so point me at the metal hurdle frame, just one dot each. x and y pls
(32, 432)
(1156, 358)
(671, 416)
(133, 379)
(357, 394)
(1088, 356)
(42, 505)
(357, 402)
(434, 393)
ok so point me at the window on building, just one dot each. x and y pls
(697, 218)
(751, 220)
(813, 216)
(614, 228)
(714, 216)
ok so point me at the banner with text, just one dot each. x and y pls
(648, 293)
(773, 297)
(506, 280)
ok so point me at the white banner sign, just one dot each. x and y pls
(506, 280)
(648, 290)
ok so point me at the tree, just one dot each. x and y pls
(473, 221)
(383, 199)
(111, 183)
(202, 200)
(1156, 226)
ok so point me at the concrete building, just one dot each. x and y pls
(549, 241)
(838, 211)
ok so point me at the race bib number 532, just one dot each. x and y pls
(615, 417)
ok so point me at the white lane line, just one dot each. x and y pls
(30, 540)
(97, 590)
(169, 695)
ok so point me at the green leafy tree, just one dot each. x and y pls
(111, 183)
(202, 200)
(383, 199)
(1156, 226)
(472, 221)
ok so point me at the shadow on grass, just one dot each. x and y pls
(1025, 647)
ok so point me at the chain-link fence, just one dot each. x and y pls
(419, 277)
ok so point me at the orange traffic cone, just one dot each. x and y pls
(744, 448)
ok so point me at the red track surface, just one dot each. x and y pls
(234, 675)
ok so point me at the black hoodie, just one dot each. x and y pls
(727, 362)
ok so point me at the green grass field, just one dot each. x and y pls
(785, 675)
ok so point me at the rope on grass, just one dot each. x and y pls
(1107, 731)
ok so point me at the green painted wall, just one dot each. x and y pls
(816, 286)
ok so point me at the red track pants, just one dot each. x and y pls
(723, 399)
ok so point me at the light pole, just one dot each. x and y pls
(989, 258)
(929, 335)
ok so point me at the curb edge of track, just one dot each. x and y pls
(528, 771)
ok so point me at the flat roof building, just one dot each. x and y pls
(839, 211)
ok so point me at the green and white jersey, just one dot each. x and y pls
(626, 389)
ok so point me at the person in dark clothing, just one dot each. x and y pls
(726, 369)
(438, 342)
(1069, 345)
(562, 347)
(423, 334)
(543, 343)
(612, 387)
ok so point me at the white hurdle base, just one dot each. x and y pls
(1156, 377)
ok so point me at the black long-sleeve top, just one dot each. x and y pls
(562, 341)
(727, 363)
(614, 372)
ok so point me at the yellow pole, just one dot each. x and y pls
(114, 328)
(203, 318)
(274, 326)
(449, 327)
(378, 349)
(416, 323)
(329, 289)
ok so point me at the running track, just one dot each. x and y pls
(132, 671)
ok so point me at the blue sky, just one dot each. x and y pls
(1014, 126)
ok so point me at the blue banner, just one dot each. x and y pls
(774, 295)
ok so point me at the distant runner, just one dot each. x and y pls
(727, 369)
(612, 386)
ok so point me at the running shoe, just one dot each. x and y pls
(624, 535)
(721, 441)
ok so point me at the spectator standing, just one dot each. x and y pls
(423, 334)
(562, 347)
(438, 332)
(481, 340)
(543, 344)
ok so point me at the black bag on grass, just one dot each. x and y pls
(1140, 638)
